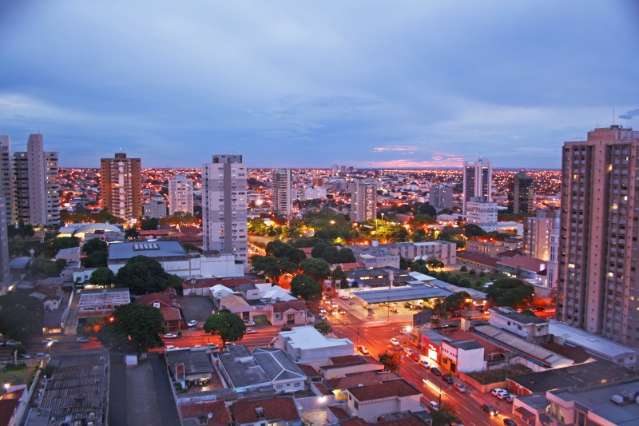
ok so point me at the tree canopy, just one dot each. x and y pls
(306, 287)
(227, 325)
(96, 253)
(21, 316)
(102, 276)
(318, 269)
(142, 325)
(390, 361)
(510, 292)
(55, 244)
(281, 249)
(144, 275)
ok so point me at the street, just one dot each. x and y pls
(193, 337)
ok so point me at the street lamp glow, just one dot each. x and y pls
(7, 386)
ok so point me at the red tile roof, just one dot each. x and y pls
(364, 379)
(347, 360)
(298, 305)
(483, 259)
(170, 313)
(524, 262)
(279, 408)
(215, 411)
(394, 388)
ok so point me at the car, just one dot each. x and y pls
(191, 323)
(434, 405)
(498, 391)
(509, 422)
(448, 378)
(170, 347)
(489, 409)
(250, 331)
(82, 339)
(424, 364)
(342, 311)
(394, 341)
(510, 397)
(503, 395)
(363, 350)
(461, 387)
(170, 335)
(322, 311)
(436, 371)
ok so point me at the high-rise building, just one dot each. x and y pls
(598, 282)
(4, 241)
(364, 200)
(478, 181)
(37, 197)
(541, 240)
(224, 206)
(155, 208)
(282, 196)
(441, 196)
(483, 213)
(6, 177)
(180, 195)
(522, 195)
(121, 186)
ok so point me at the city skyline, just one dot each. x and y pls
(307, 89)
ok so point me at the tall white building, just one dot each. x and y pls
(180, 195)
(282, 196)
(6, 177)
(224, 206)
(37, 200)
(4, 242)
(482, 213)
(478, 181)
(364, 200)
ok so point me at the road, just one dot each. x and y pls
(376, 336)
(260, 336)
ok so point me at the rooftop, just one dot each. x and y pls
(523, 262)
(209, 413)
(280, 409)
(155, 249)
(465, 344)
(516, 316)
(307, 337)
(196, 361)
(401, 294)
(594, 344)
(393, 388)
(89, 299)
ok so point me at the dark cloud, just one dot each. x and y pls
(629, 115)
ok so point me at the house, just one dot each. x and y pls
(306, 345)
(204, 413)
(376, 256)
(265, 369)
(341, 366)
(529, 327)
(280, 411)
(190, 367)
(201, 286)
(290, 313)
(338, 386)
(462, 355)
(444, 251)
(237, 305)
(169, 307)
(102, 302)
(374, 401)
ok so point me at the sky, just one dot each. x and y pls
(299, 83)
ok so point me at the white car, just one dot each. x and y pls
(192, 323)
(434, 405)
(461, 387)
(250, 331)
(499, 393)
(394, 341)
(170, 336)
(344, 297)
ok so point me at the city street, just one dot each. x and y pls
(261, 336)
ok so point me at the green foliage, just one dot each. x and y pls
(96, 253)
(281, 249)
(53, 245)
(142, 324)
(425, 209)
(444, 417)
(150, 223)
(390, 361)
(144, 275)
(418, 265)
(306, 287)
(318, 269)
(131, 234)
(21, 230)
(456, 302)
(19, 246)
(180, 218)
(323, 327)
(227, 325)
(329, 225)
(102, 276)
(471, 230)
(434, 263)
(43, 268)
(84, 216)
(510, 292)
(20, 316)
(332, 254)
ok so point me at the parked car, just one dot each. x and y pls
(170, 335)
(191, 323)
(448, 378)
(499, 392)
(424, 364)
(436, 371)
(362, 350)
(461, 387)
(434, 405)
(489, 409)
(510, 422)
(394, 341)
(510, 397)
(250, 331)
(82, 339)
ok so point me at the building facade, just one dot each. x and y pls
(155, 208)
(478, 181)
(224, 206)
(522, 194)
(6, 177)
(180, 195)
(541, 240)
(4, 242)
(121, 186)
(442, 250)
(37, 200)
(364, 200)
(598, 285)
(482, 213)
(441, 196)
(282, 196)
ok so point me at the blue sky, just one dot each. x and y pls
(313, 83)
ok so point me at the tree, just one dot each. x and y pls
(43, 268)
(472, 230)
(227, 325)
(434, 263)
(131, 234)
(323, 327)
(150, 223)
(345, 255)
(510, 292)
(444, 417)
(102, 276)
(390, 361)
(268, 266)
(280, 249)
(96, 253)
(20, 316)
(306, 287)
(55, 244)
(319, 269)
(419, 265)
(141, 324)
(425, 209)
(456, 302)
(143, 275)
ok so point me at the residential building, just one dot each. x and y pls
(204, 413)
(481, 212)
(168, 306)
(597, 283)
(364, 200)
(541, 240)
(462, 355)
(121, 186)
(99, 303)
(492, 246)
(6, 177)
(282, 195)
(224, 206)
(376, 256)
(180, 195)
(4, 242)
(280, 411)
(372, 401)
(441, 196)
(155, 208)
(348, 366)
(477, 181)
(529, 327)
(522, 194)
(37, 199)
(441, 250)
(190, 367)
(306, 345)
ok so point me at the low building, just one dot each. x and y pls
(289, 313)
(12, 405)
(96, 303)
(529, 327)
(280, 411)
(525, 268)
(373, 401)
(407, 293)
(477, 262)
(202, 286)
(190, 367)
(170, 309)
(492, 246)
(87, 231)
(341, 366)
(378, 277)
(376, 256)
(264, 369)
(306, 345)
(204, 413)
(462, 355)
(442, 250)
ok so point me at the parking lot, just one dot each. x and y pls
(196, 308)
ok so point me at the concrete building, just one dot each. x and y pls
(372, 401)
(224, 206)
(180, 195)
(478, 181)
(529, 327)
(376, 256)
(282, 198)
(121, 186)
(37, 200)
(481, 212)
(462, 355)
(363, 200)
(306, 345)
(522, 196)
(441, 196)
(597, 283)
(4, 243)
(98, 303)
(442, 250)
(541, 240)
(6, 177)
(155, 208)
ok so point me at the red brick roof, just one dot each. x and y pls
(364, 379)
(394, 388)
(484, 259)
(347, 360)
(524, 262)
(279, 408)
(170, 313)
(219, 414)
(298, 305)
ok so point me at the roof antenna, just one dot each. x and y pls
(614, 116)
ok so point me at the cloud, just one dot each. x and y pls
(629, 115)
(437, 161)
(395, 148)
